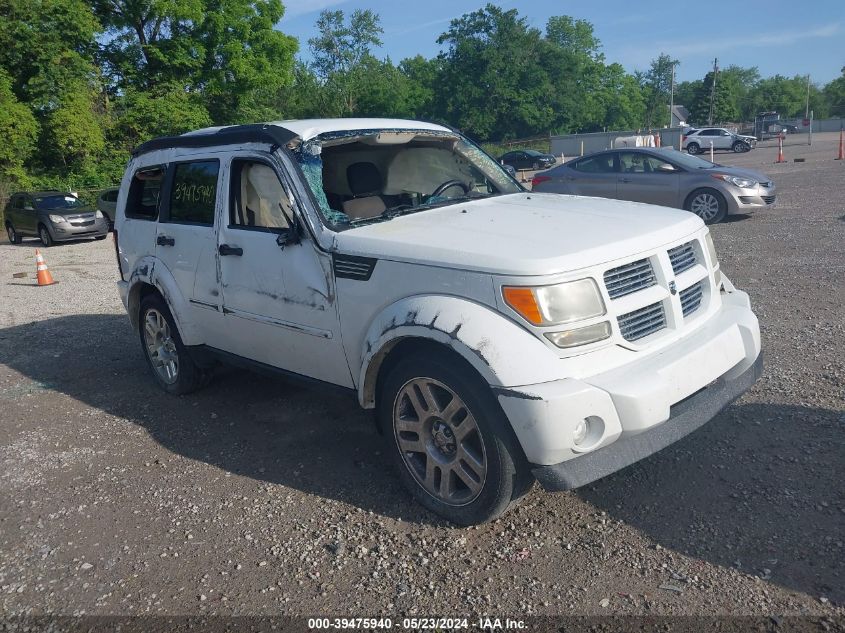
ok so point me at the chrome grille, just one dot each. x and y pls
(691, 298)
(640, 323)
(682, 257)
(629, 278)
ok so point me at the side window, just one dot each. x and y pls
(258, 198)
(142, 201)
(602, 164)
(193, 196)
(654, 164)
(19, 202)
(110, 196)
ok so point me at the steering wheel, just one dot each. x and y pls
(447, 185)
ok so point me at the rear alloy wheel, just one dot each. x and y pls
(168, 358)
(707, 204)
(14, 237)
(450, 441)
(44, 234)
(693, 148)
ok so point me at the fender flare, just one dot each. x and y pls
(152, 271)
(501, 351)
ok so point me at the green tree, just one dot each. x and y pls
(656, 84)
(834, 94)
(724, 110)
(143, 114)
(495, 66)
(18, 129)
(73, 128)
(228, 50)
(343, 58)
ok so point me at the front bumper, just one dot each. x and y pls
(745, 200)
(67, 231)
(636, 398)
(686, 416)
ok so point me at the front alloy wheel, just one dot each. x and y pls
(446, 434)
(439, 441)
(708, 205)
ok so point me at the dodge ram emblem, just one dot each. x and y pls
(673, 288)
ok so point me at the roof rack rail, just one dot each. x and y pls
(273, 135)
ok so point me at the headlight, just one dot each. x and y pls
(742, 183)
(98, 214)
(57, 219)
(555, 305)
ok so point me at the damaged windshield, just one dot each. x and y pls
(375, 175)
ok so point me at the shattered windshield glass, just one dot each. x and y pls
(366, 176)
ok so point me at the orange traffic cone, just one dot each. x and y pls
(780, 159)
(841, 146)
(42, 272)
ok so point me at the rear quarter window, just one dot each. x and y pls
(142, 200)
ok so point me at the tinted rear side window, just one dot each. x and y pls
(142, 201)
(596, 164)
(193, 196)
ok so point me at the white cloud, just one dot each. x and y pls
(294, 8)
(761, 40)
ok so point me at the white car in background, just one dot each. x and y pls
(499, 335)
(700, 140)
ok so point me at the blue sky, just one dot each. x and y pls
(779, 37)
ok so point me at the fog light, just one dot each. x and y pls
(580, 432)
(587, 433)
(580, 336)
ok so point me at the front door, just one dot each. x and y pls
(646, 178)
(278, 299)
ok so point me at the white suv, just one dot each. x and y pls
(697, 141)
(500, 335)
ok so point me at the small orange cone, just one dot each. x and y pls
(841, 147)
(42, 272)
(780, 159)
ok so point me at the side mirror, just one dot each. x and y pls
(666, 168)
(28, 207)
(290, 235)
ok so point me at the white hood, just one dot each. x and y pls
(522, 234)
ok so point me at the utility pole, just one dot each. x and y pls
(672, 95)
(713, 91)
(807, 109)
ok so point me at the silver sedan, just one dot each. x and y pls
(661, 176)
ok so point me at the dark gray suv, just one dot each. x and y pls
(52, 216)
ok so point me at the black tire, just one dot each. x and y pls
(507, 476)
(44, 234)
(694, 204)
(739, 147)
(14, 236)
(693, 148)
(189, 376)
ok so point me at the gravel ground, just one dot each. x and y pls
(258, 496)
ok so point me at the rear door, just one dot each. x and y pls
(594, 176)
(28, 216)
(647, 178)
(186, 238)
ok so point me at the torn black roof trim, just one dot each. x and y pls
(232, 135)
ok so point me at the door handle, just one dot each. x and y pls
(164, 240)
(225, 249)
